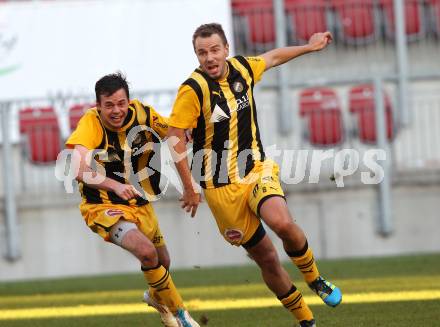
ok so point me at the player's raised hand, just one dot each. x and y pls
(126, 191)
(319, 41)
(190, 201)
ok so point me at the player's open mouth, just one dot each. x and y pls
(212, 69)
(116, 120)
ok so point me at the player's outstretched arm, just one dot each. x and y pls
(279, 56)
(177, 143)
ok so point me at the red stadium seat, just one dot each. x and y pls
(42, 137)
(434, 8)
(356, 19)
(322, 110)
(361, 103)
(306, 17)
(76, 112)
(414, 24)
(258, 20)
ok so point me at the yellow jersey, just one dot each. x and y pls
(123, 153)
(223, 116)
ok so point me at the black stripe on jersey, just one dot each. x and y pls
(242, 60)
(198, 133)
(245, 63)
(115, 165)
(219, 163)
(147, 112)
(244, 124)
(91, 194)
(135, 159)
(130, 111)
(192, 83)
(153, 163)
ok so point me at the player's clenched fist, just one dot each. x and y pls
(319, 41)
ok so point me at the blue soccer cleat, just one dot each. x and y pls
(185, 320)
(329, 293)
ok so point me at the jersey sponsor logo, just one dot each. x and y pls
(234, 236)
(113, 212)
(157, 124)
(219, 115)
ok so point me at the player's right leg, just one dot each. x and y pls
(278, 281)
(153, 298)
(157, 276)
(268, 202)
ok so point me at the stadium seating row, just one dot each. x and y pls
(353, 21)
(319, 109)
(40, 132)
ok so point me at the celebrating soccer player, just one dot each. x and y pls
(240, 185)
(118, 136)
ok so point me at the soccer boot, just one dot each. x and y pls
(307, 323)
(185, 320)
(329, 293)
(166, 316)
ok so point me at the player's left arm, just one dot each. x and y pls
(279, 56)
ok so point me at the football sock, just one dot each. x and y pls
(154, 294)
(294, 302)
(305, 262)
(164, 289)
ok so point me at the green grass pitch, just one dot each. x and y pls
(385, 292)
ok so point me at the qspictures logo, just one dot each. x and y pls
(8, 45)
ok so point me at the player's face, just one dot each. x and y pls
(212, 54)
(113, 108)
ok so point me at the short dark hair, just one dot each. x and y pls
(206, 30)
(109, 84)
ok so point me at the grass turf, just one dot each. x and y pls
(356, 276)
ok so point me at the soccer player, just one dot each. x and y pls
(119, 138)
(240, 185)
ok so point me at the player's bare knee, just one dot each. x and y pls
(147, 255)
(284, 228)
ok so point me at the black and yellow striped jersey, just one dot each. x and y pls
(129, 155)
(223, 116)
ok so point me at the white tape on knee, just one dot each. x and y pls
(118, 231)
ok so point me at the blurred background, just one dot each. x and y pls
(376, 87)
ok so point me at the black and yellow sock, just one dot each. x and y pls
(305, 262)
(294, 302)
(155, 295)
(164, 289)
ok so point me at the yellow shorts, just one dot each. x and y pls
(236, 206)
(101, 217)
